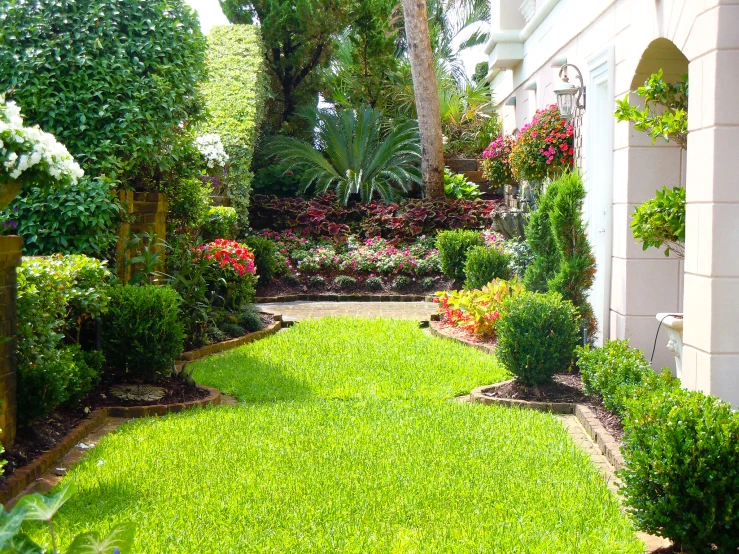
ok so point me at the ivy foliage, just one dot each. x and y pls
(661, 221)
(113, 80)
(235, 92)
(665, 112)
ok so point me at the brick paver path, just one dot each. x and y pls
(295, 311)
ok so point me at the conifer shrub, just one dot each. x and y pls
(453, 247)
(485, 264)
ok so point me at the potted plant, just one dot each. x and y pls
(28, 155)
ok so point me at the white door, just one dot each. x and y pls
(598, 161)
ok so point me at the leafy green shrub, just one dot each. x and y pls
(232, 278)
(250, 320)
(233, 330)
(661, 221)
(453, 247)
(214, 334)
(345, 282)
(56, 295)
(189, 205)
(265, 257)
(457, 186)
(234, 93)
(373, 283)
(130, 78)
(617, 372)
(142, 331)
(428, 283)
(290, 279)
(81, 218)
(220, 223)
(485, 264)
(681, 476)
(537, 336)
(401, 282)
(317, 281)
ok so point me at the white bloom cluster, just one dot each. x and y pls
(23, 148)
(211, 147)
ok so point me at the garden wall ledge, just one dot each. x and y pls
(345, 298)
(26, 475)
(606, 443)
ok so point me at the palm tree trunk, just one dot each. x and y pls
(427, 96)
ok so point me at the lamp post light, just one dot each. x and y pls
(570, 98)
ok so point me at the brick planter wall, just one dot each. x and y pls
(10, 259)
(147, 214)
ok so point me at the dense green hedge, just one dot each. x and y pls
(56, 295)
(112, 80)
(234, 94)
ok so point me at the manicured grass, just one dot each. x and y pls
(348, 442)
(349, 358)
(349, 476)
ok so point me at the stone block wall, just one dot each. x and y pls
(10, 259)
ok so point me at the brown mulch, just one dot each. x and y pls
(281, 287)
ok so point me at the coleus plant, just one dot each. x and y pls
(477, 311)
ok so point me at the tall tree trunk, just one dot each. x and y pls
(427, 96)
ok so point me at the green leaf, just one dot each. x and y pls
(21, 544)
(10, 523)
(120, 537)
(43, 508)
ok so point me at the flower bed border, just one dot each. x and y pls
(606, 443)
(344, 298)
(27, 475)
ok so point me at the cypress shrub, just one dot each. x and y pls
(453, 247)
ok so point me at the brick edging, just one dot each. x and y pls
(344, 298)
(219, 347)
(606, 443)
(27, 474)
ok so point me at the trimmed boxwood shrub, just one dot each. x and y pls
(537, 336)
(617, 373)
(681, 476)
(142, 331)
(453, 247)
(114, 81)
(220, 223)
(234, 93)
(485, 264)
(265, 257)
(250, 320)
(345, 282)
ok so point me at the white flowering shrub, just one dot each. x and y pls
(211, 147)
(28, 155)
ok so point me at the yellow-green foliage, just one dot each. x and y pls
(234, 94)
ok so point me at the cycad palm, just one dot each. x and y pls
(353, 156)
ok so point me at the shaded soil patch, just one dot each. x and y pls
(565, 387)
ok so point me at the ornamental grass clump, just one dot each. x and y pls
(496, 161)
(537, 337)
(681, 475)
(544, 147)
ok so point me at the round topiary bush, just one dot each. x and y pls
(537, 336)
(344, 282)
(373, 283)
(401, 282)
(485, 264)
(142, 332)
(681, 478)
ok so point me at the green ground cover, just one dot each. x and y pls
(348, 443)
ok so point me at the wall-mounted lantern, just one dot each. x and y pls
(570, 98)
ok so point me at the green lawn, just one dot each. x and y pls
(348, 444)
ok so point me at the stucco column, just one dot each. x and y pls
(711, 301)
